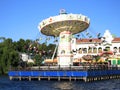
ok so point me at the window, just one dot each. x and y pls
(63, 52)
(89, 50)
(107, 48)
(84, 50)
(99, 50)
(80, 50)
(119, 49)
(115, 49)
(94, 50)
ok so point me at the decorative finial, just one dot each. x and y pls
(63, 11)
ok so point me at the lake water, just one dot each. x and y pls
(6, 84)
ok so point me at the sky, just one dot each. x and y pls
(20, 18)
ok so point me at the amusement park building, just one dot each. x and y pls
(96, 46)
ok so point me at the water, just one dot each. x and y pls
(6, 84)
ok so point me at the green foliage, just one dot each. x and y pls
(9, 52)
(8, 56)
(30, 64)
(113, 35)
(38, 59)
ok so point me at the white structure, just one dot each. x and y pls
(108, 37)
(64, 25)
(96, 46)
(65, 57)
(26, 58)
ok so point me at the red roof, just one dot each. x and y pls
(116, 40)
(94, 40)
(86, 40)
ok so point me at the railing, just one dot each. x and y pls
(80, 68)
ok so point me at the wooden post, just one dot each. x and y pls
(10, 77)
(58, 78)
(48, 78)
(69, 78)
(20, 78)
(39, 78)
(29, 78)
(75, 78)
(85, 79)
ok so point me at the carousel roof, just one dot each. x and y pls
(74, 23)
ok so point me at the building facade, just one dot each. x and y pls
(96, 46)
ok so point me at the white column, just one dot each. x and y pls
(65, 58)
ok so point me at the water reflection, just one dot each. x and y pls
(63, 85)
(6, 84)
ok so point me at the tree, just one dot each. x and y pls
(20, 45)
(14, 58)
(38, 59)
(9, 52)
(30, 64)
(8, 56)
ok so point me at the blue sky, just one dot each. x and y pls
(20, 18)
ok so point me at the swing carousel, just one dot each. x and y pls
(64, 26)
